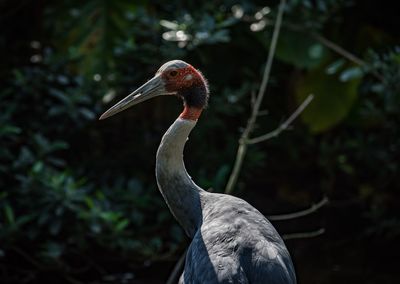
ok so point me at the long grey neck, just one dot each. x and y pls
(181, 194)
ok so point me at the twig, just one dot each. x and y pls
(252, 98)
(336, 48)
(284, 125)
(174, 276)
(346, 54)
(302, 213)
(256, 106)
(29, 258)
(237, 166)
(304, 235)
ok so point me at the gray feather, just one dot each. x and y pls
(232, 242)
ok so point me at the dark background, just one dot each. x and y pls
(78, 197)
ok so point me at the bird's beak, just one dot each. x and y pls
(153, 88)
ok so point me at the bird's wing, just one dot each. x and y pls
(243, 234)
(211, 265)
(236, 244)
(271, 263)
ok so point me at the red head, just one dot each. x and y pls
(181, 78)
(175, 77)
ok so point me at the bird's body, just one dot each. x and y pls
(232, 242)
(231, 247)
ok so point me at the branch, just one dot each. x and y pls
(256, 106)
(346, 54)
(336, 48)
(302, 213)
(268, 66)
(29, 258)
(284, 125)
(304, 235)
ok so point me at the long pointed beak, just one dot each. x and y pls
(153, 88)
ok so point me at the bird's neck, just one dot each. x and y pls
(191, 113)
(181, 194)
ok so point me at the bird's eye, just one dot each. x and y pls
(173, 73)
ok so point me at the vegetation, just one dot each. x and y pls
(78, 198)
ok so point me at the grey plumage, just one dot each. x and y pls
(236, 244)
(232, 242)
(171, 65)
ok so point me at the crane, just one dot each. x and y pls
(232, 242)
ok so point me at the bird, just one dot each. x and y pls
(231, 241)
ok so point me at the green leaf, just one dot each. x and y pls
(88, 114)
(335, 66)
(37, 167)
(52, 250)
(300, 50)
(89, 202)
(350, 74)
(333, 99)
(109, 216)
(92, 36)
(9, 214)
(169, 25)
(95, 227)
(59, 145)
(121, 225)
(9, 130)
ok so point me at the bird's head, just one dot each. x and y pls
(175, 77)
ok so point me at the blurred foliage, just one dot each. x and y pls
(335, 95)
(73, 190)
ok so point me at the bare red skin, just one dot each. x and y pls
(179, 80)
(190, 113)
